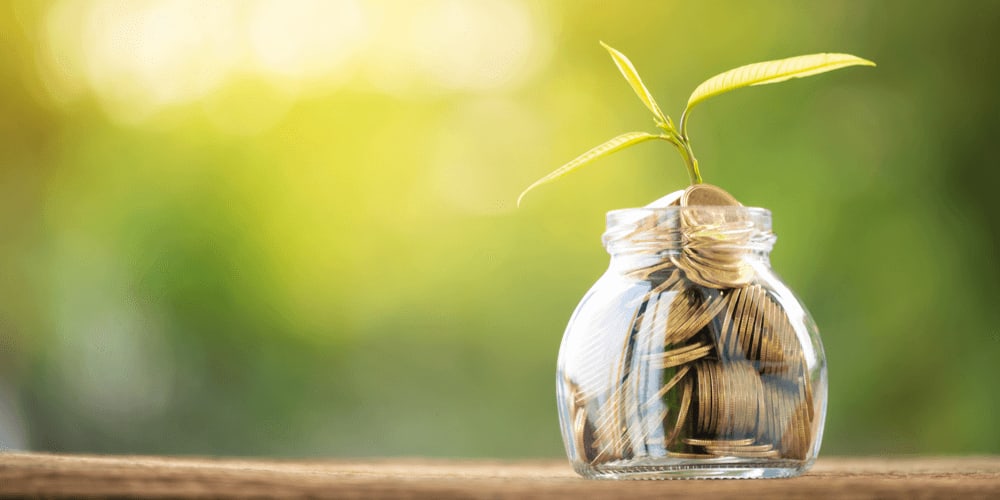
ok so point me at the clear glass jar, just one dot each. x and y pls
(689, 358)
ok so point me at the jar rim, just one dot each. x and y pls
(661, 228)
(715, 208)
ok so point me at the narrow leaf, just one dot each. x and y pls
(630, 74)
(617, 144)
(772, 72)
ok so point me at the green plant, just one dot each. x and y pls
(745, 76)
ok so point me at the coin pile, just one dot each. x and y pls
(726, 365)
(713, 241)
(728, 398)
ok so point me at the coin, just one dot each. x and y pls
(746, 454)
(692, 272)
(726, 331)
(719, 442)
(752, 394)
(662, 393)
(704, 397)
(675, 454)
(757, 330)
(579, 431)
(741, 400)
(692, 318)
(712, 250)
(713, 276)
(787, 425)
(746, 315)
(686, 357)
(679, 356)
(807, 384)
(682, 413)
(706, 194)
(716, 397)
(712, 448)
(668, 284)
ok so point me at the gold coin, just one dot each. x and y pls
(692, 272)
(704, 259)
(713, 251)
(666, 356)
(712, 419)
(734, 406)
(793, 442)
(765, 343)
(682, 413)
(579, 430)
(807, 382)
(747, 454)
(670, 383)
(702, 395)
(757, 325)
(713, 276)
(712, 448)
(690, 323)
(739, 397)
(707, 194)
(763, 311)
(718, 397)
(729, 321)
(738, 400)
(683, 307)
(751, 394)
(719, 442)
(745, 313)
(739, 390)
(711, 392)
(773, 414)
(686, 357)
(675, 454)
(670, 284)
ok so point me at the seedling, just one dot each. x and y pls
(761, 73)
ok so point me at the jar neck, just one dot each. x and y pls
(643, 237)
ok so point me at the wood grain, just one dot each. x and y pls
(144, 476)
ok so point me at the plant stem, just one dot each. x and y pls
(685, 149)
(690, 161)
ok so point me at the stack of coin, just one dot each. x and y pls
(713, 239)
(755, 327)
(780, 351)
(740, 448)
(728, 398)
(786, 420)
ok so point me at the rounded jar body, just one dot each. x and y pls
(689, 358)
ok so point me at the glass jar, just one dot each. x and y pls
(689, 358)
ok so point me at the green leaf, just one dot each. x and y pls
(617, 144)
(630, 74)
(772, 72)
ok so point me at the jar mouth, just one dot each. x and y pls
(672, 228)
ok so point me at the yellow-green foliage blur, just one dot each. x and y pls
(288, 228)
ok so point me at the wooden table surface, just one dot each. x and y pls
(102, 476)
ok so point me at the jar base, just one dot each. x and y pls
(694, 469)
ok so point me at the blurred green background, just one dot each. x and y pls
(288, 229)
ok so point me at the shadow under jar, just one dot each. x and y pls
(689, 358)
